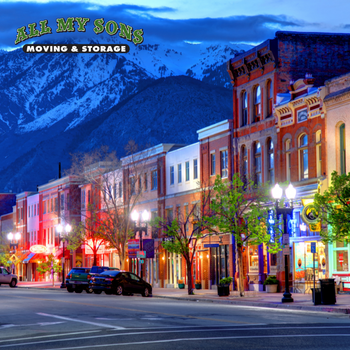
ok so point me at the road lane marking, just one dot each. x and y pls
(81, 321)
(177, 331)
(201, 339)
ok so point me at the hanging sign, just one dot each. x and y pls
(309, 214)
(38, 249)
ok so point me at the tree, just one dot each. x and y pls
(241, 208)
(333, 209)
(51, 265)
(185, 230)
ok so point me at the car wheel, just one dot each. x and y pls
(119, 290)
(97, 291)
(70, 289)
(78, 290)
(13, 283)
(89, 290)
(146, 293)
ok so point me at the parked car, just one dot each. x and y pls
(120, 282)
(8, 278)
(78, 280)
(96, 270)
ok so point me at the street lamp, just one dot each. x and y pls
(17, 237)
(286, 210)
(63, 231)
(140, 229)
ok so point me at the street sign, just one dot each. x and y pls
(285, 239)
(211, 245)
(141, 254)
(313, 247)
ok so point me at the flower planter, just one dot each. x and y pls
(223, 290)
(198, 285)
(181, 285)
(271, 288)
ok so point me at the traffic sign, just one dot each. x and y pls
(141, 254)
(313, 247)
(285, 238)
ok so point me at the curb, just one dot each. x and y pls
(324, 309)
(41, 288)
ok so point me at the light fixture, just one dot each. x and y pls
(290, 192)
(163, 258)
(10, 236)
(277, 192)
(68, 228)
(145, 215)
(207, 256)
(134, 215)
(17, 236)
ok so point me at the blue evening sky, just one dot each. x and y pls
(219, 21)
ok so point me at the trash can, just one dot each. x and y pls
(328, 291)
(317, 300)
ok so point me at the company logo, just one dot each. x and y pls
(310, 215)
(38, 248)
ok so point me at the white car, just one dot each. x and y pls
(7, 278)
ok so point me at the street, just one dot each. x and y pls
(50, 319)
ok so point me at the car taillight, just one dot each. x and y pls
(109, 279)
(68, 276)
(89, 276)
(93, 278)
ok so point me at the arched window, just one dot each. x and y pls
(303, 157)
(244, 164)
(269, 98)
(288, 159)
(342, 149)
(257, 103)
(244, 109)
(257, 161)
(271, 161)
(318, 153)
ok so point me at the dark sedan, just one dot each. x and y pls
(118, 282)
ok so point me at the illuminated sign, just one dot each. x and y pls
(38, 249)
(310, 215)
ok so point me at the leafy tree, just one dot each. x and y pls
(333, 208)
(241, 208)
(185, 231)
(51, 266)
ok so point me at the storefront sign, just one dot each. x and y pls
(285, 239)
(133, 248)
(38, 249)
(211, 245)
(310, 215)
(148, 247)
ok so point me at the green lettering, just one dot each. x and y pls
(108, 27)
(125, 31)
(32, 30)
(44, 28)
(63, 26)
(98, 23)
(21, 35)
(138, 36)
(82, 23)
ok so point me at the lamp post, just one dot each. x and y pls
(286, 210)
(17, 237)
(63, 231)
(140, 229)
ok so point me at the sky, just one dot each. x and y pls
(220, 21)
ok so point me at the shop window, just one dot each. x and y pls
(253, 258)
(303, 157)
(244, 109)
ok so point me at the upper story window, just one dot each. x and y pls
(244, 108)
(212, 164)
(145, 181)
(303, 157)
(244, 163)
(195, 169)
(288, 159)
(269, 98)
(257, 160)
(342, 149)
(179, 173)
(271, 161)
(187, 170)
(257, 104)
(172, 175)
(224, 163)
(154, 176)
(318, 153)
(120, 189)
(132, 185)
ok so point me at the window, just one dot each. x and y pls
(271, 161)
(224, 163)
(244, 109)
(179, 173)
(244, 164)
(172, 175)
(120, 189)
(154, 175)
(154, 214)
(62, 201)
(44, 207)
(83, 198)
(145, 179)
(34, 209)
(303, 157)
(186, 218)
(195, 169)
(89, 197)
(341, 256)
(132, 186)
(257, 160)
(269, 96)
(37, 209)
(257, 103)
(56, 204)
(114, 192)
(318, 153)
(288, 160)
(51, 205)
(212, 164)
(187, 169)
(140, 184)
(29, 211)
(342, 149)
(169, 215)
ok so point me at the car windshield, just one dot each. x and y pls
(110, 273)
(80, 270)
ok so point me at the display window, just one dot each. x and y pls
(340, 255)
(253, 258)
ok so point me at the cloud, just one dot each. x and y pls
(229, 29)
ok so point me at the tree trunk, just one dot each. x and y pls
(189, 278)
(240, 270)
(94, 263)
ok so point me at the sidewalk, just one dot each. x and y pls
(258, 299)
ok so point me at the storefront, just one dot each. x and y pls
(339, 262)
(219, 264)
(257, 266)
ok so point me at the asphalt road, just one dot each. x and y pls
(42, 319)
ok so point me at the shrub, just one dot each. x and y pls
(226, 280)
(270, 280)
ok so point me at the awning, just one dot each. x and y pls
(27, 259)
(38, 257)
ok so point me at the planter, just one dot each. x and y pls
(198, 285)
(271, 288)
(223, 290)
(181, 285)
